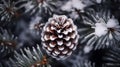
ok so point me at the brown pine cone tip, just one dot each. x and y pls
(59, 37)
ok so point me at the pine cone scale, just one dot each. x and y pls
(59, 37)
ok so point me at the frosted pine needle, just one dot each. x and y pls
(29, 58)
(100, 29)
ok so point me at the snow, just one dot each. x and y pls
(33, 22)
(74, 15)
(73, 4)
(112, 23)
(87, 49)
(60, 43)
(78, 4)
(111, 36)
(30, 6)
(100, 29)
(67, 6)
(103, 28)
(98, 1)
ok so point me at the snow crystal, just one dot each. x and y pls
(100, 29)
(112, 23)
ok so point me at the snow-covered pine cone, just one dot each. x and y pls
(59, 37)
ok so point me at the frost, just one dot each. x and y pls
(77, 4)
(67, 6)
(100, 29)
(98, 1)
(30, 6)
(112, 23)
(74, 15)
(87, 49)
(33, 22)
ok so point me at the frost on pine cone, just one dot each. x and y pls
(59, 37)
(99, 29)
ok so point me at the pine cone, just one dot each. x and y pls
(59, 37)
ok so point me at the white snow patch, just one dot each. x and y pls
(87, 49)
(67, 6)
(98, 1)
(110, 36)
(112, 23)
(100, 29)
(78, 4)
(74, 15)
(73, 4)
